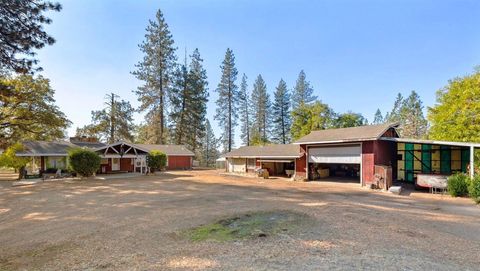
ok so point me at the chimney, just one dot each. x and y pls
(83, 139)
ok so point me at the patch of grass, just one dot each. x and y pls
(249, 225)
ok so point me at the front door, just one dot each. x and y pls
(115, 164)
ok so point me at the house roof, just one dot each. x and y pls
(352, 134)
(46, 148)
(169, 150)
(60, 148)
(267, 151)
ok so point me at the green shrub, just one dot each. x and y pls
(156, 160)
(458, 185)
(84, 162)
(474, 189)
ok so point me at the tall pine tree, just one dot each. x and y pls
(394, 115)
(209, 148)
(180, 97)
(197, 78)
(113, 123)
(303, 92)
(261, 112)
(281, 114)
(188, 100)
(227, 102)
(409, 114)
(378, 119)
(413, 122)
(155, 71)
(244, 110)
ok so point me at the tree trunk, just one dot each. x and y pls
(161, 107)
(21, 173)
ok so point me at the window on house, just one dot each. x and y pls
(56, 162)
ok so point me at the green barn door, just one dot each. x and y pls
(426, 158)
(409, 162)
(445, 160)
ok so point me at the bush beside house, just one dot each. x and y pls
(474, 189)
(457, 185)
(84, 162)
(460, 185)
(156, 160)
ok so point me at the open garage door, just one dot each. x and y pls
(337, 163)
(351, 154)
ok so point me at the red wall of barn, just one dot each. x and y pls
(179, 162)
(376, 153)
(301, 164)
(368, 162)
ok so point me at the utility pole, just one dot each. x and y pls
(111, 104)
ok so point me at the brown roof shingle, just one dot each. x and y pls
(46, 148)
(172, 150)
(277, 151)
(360, 133)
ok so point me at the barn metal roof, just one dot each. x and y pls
(267, 151)
(432, 142)
(352, 134)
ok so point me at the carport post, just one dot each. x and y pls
(472, 169)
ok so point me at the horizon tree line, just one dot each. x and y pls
(173, 97)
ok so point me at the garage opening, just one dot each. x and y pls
(281, 168)
(340, 163)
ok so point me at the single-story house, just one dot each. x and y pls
(116, 157)
(360, 153)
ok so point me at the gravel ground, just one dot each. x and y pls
(134, 224)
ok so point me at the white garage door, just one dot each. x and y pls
(350, 154)
(237, 165)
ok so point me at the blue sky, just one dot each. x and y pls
(357, 54)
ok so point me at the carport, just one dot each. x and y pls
(278, 160)
(431, 158)
(277, 167)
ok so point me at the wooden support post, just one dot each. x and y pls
(472, 166)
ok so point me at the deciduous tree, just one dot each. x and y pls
(28, 110)
(9, 159)
(456, 114)
(311, 117)
(349, 119)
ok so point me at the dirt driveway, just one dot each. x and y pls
(133, 224)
